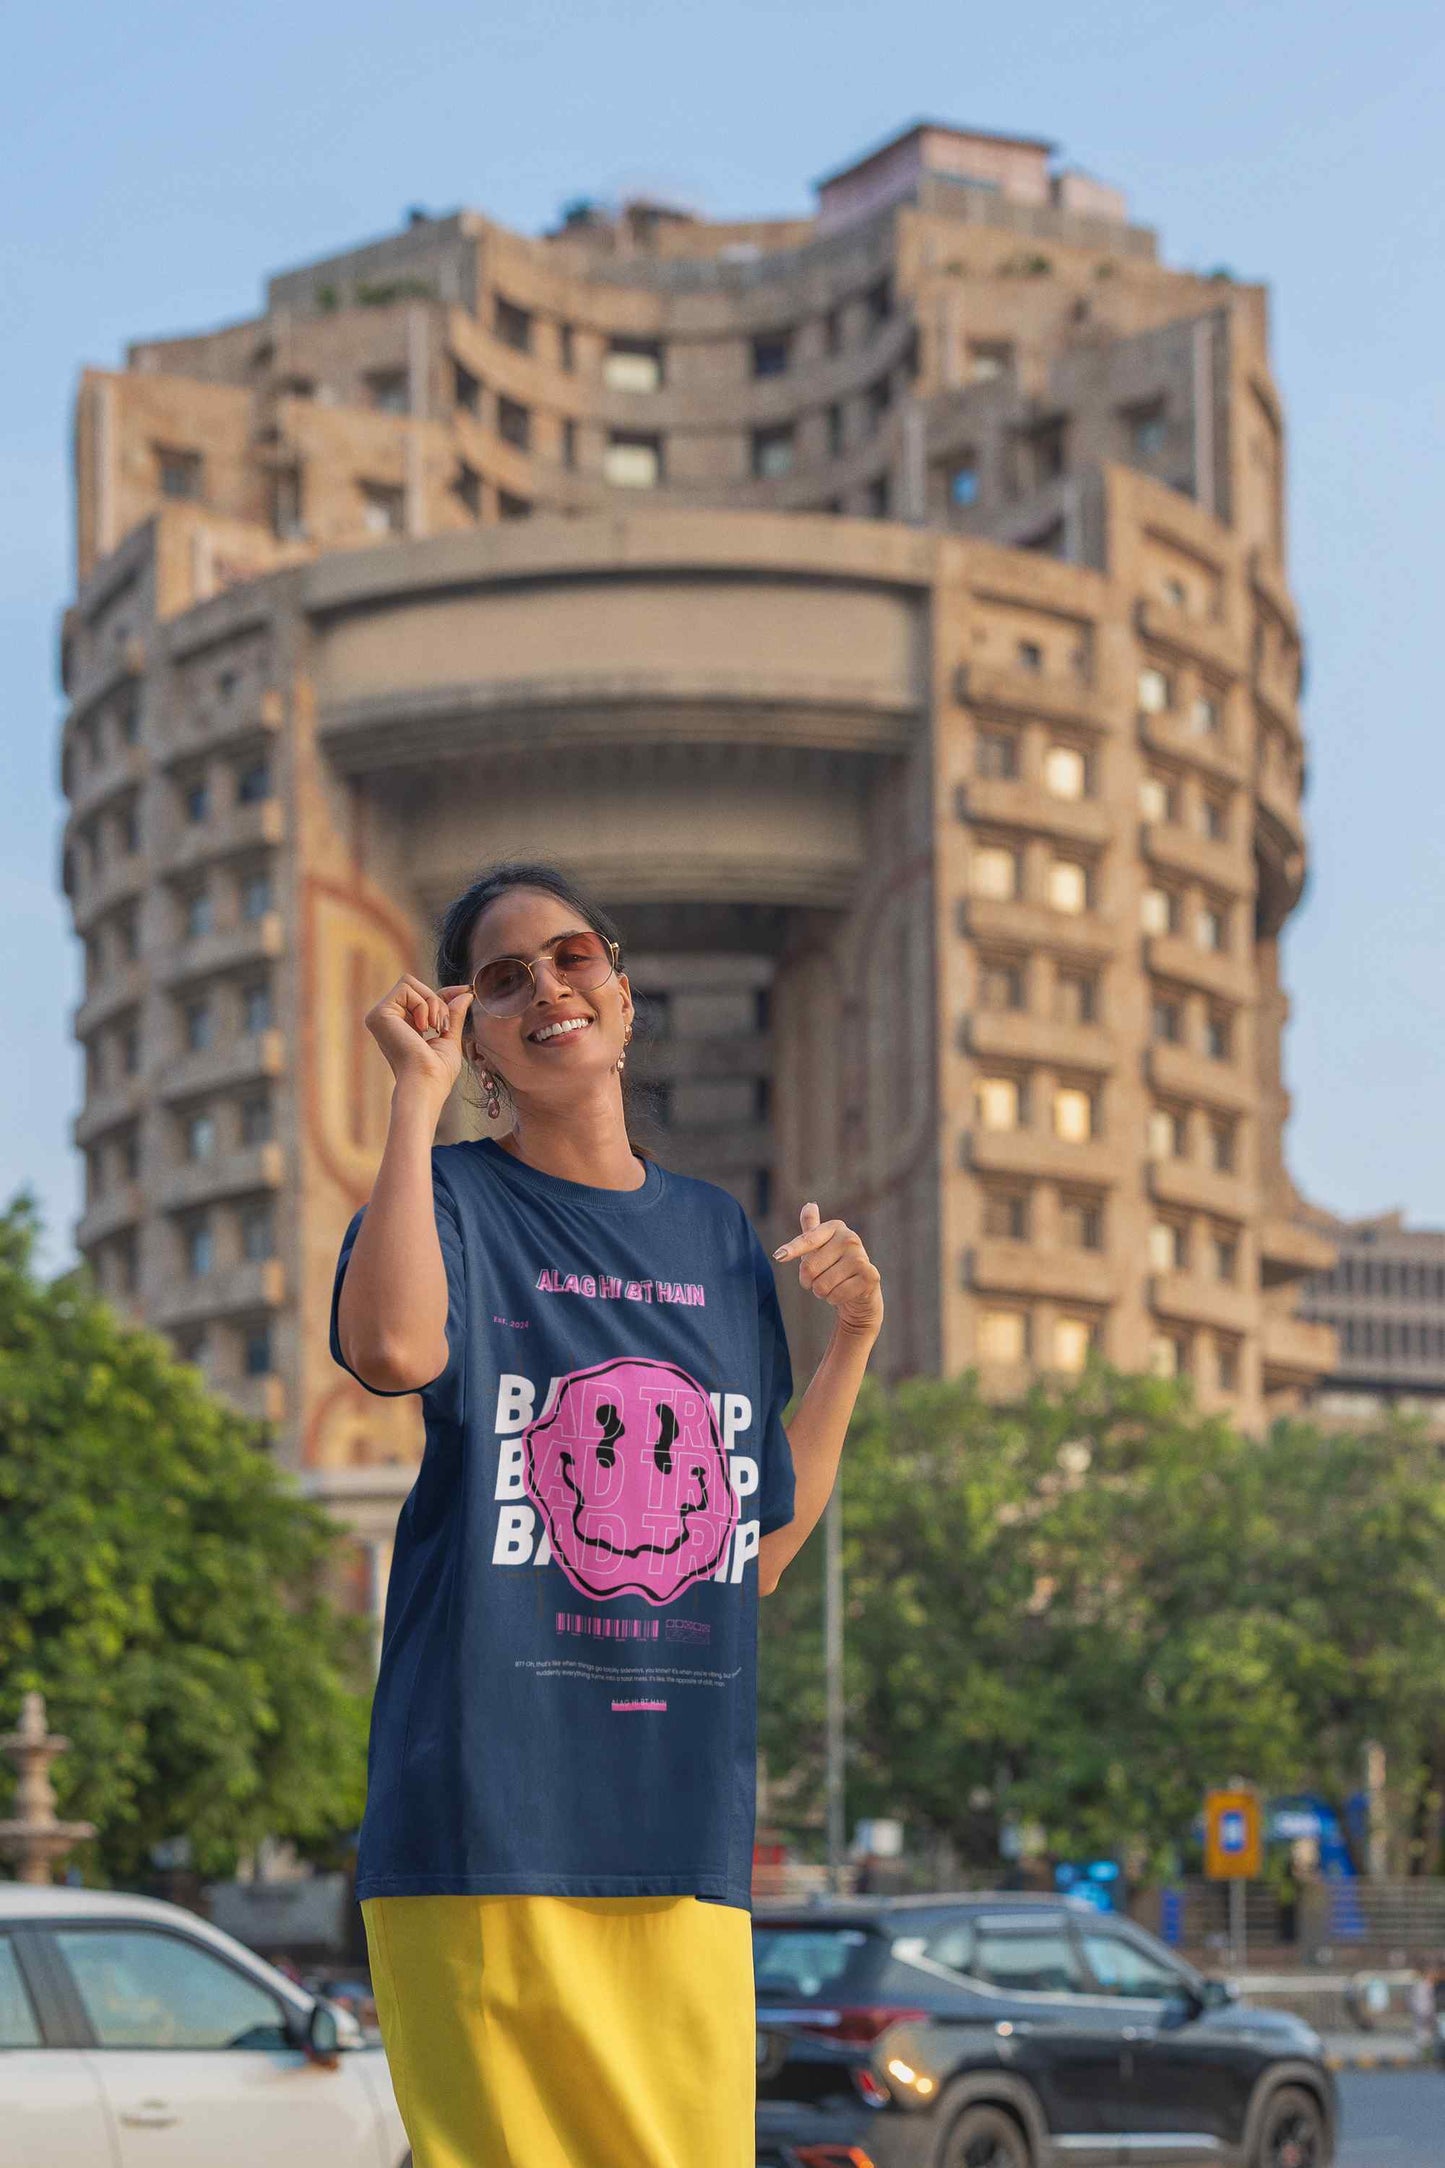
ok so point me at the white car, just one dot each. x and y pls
(135, 2035)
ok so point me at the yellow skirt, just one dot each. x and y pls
(568, 2032)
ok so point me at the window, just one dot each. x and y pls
(18, 2028)
(198, 803)
(1166, 1246)
(569, 442)
(1003, 1336)
(1158, 799)
(1073, 1342)
(1066, 772)
(879, 299)
(389, 391)
(130, 1154)
(1166, 1019)
(1226, 1365)
(770, 355)
(288, 513)
(1123, 1969)
(987, 359)
(1224, 1253)
(994, 871)
(1214, 819)
(1006, 1215)
(1156, 691)
(1212, 927)
(879, 398)
(180, 474)
(255, 1118)
(198, 916)
(1167, 1133)
(963, 483)
(129, 1049)
(1147, 428)
(1218, 1035)
(1159, 910)
(198, 1026)
(256, 1007)
(632, 365)
(142, 1988)
(200, 1136)
(514, 424)
(996, 754)
(1168, 1356)
(253, 783)
(833, 331)
(466, 388)
(1044, 449)
(632, 462)
(773, 451)
(835, 432)
(467, 488)
(512, 507)
(255, 896)
(997, 1100)
(877, 497)
(1073, 1113)
(1221, 1145)
(256, 1351)
(257, 1234)
(1205, 716)
(1029, 655)
(200, 1250)
(1023, 1955)
(128, 830)
(128, 930)
(566, 355)
(1068, 886)
(1000, 984)
(512, 325)
(1081, 1223)
(1076, 997)
(383, 507)
(806, 1960)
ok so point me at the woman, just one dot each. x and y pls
(555, 1860)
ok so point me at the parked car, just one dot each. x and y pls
(1018, 2031)
(133, 2034)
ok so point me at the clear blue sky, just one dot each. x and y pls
(162, 159)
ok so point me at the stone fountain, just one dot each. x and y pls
(34, 1839)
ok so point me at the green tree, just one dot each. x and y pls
(163, 1586)
(1085, 1608)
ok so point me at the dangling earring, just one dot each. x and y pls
(489, 1088)
(622, 1057)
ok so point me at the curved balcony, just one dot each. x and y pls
(250, 1055)
(1296, 1351)
(115, 1108)
(118, 775)
(1171, 956)
(1177, 849)
(1019, 1268)
(1169, 734)
(257, 1284)
(239, 828)
(228, 1174)
(123, 1206)
(1195, 1188)
(1216, 647)
(1034, 1152)
(228, 949)
(1289, 1249)
(1015, 1035)
(1092, 937)
(1198, 1301)
(121, 881)
(1180, 1073)
(121, 990)
(1002, 804)
(990, 689)
(256, 724)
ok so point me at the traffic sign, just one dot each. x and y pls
(1233, 1836)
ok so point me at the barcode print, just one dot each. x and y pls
(611, 1629)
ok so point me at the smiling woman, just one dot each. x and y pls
(559, 1822)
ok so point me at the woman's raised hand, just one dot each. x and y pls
(420, 1032)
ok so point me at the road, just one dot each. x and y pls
(1392, 2119)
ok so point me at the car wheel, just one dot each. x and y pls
(986, 2138)
(1292, 2133)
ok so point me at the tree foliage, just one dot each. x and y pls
(1085, 1608)
(162, 1585)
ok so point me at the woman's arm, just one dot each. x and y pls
(391, 1314)
(835, 1266)
(816, 1436)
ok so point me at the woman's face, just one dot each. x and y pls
(567, 1065)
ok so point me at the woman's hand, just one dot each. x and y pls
(420, 1032)
(839, 1271)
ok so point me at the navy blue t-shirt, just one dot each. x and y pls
(566, 1702)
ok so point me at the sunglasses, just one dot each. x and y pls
(507, 985)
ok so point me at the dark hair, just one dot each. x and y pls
(640, 1102)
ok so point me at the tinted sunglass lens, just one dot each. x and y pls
(583, 963)
(504, 987)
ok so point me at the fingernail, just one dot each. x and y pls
(781, 1252)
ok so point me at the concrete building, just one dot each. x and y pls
(886, 612)
(1384, 1298)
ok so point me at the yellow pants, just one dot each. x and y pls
(568, 2032)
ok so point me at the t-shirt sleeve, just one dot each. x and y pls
(445, 1388)
(775, 1476)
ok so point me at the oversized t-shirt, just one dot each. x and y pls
(566, 1702)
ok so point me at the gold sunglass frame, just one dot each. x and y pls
(614, 949)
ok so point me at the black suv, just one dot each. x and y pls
(1017, 2031)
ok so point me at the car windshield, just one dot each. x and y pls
(809, 1960)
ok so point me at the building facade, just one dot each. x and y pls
(886, 613)
(1384, 1299)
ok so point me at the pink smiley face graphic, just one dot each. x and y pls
(630, 1477)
